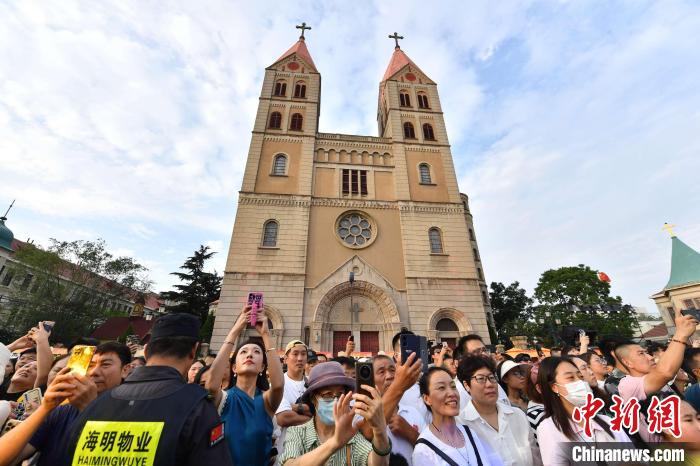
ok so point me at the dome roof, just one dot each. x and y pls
(6, 235)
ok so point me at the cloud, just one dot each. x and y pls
(572, 125)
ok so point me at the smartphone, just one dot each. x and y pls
(692, 312)
(351, 338)
(364, 375)
(415, 344)
(444, 344)
(255, 301)
(48, 325)
(80, 358)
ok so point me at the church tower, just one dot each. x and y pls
(348, 234)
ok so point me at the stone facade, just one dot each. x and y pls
(399, 187)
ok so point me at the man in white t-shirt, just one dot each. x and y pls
(290, 413)
(404, 423)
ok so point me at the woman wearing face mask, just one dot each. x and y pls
(589, 377)
(248, 405)
(564, 389)
(332, 436)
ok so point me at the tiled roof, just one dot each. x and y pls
(116, 326)
(300, 49)
(657, 331)
(685, 264)
(398, 60)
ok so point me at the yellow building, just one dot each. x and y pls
(316, 207)
(683, 288)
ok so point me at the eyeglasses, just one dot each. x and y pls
(518, 372)
(481, 379)
(330, 396)
(482, 350)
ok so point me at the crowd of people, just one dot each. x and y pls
(247, 405)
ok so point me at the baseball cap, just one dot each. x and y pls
(292, 344)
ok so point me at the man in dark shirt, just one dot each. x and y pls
(107, 369)
(154, 417)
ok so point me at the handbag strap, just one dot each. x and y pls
(476, 450)
(348, 454)
(439, 452)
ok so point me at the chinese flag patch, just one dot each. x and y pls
(216, 435)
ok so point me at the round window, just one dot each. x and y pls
(355, 229)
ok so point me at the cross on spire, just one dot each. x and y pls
(669, 229)
(396, 37)
(303, 27)
(4, 217)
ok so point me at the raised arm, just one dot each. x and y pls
(274, 395)
(584, 340)
(671, 360)
(221, 363)
(407, 375)
(44, 357)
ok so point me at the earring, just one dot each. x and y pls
(260, 374)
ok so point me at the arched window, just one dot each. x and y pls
(424, 170)
(275, 120)
(270, 234)
(404, 99)
(297, 122)
(435, 241)
(428, 134)
(280, 166)
(300, 90)
(408, 131)
(423, 100)
(280, 88)
(446, 325)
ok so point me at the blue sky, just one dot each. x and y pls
(574, 125)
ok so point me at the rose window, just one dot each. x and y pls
(354, 229)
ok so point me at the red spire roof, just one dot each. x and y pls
(300, 49)
(398, 60)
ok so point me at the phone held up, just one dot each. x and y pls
(48, 325)
(415, 344)
(695, 313)
(255, 301)
(364, 375)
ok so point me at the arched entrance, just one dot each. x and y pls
(373, 322)
(448, 325)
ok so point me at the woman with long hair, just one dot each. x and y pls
(248, 406)
(563, 389)
(444, 442)
(590, 377)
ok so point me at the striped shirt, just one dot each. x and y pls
(302, 439)
(535, 415)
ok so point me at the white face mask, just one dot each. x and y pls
(577, 392)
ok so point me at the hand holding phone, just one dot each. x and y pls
(364, 375)
(255, 301)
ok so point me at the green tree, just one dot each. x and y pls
(77, 284)
(511, 305)
(198, 288)
(576, 296)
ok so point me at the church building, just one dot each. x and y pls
(348, 234)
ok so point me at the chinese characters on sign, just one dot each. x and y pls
(112, 442)
(660, 415)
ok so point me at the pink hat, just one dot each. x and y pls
(327, 374)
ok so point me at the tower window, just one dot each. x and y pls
(404, 99)
(354, 182)
(270, 234)
(476, 254)
(281, 88)
(428, 134)
(279, 168)
(423, 101)
(424, 170)
(471, 235)
(408, 131)
(300, 90)
(481, 274)
(275, 120)
(435, 241)
(297, 122)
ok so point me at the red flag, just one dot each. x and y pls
(603, 277)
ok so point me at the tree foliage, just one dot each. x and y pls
(77, 284)
(510, 305)
(198, 288)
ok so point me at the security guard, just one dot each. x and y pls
(154, 418)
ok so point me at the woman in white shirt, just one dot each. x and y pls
(444, 442)
(563, 389)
